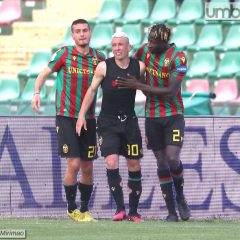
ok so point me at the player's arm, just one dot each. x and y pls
(178, 70)
(89, 96)
(36, 101)
(168, 91)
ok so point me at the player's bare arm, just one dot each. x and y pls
(89, 96)
(36, 101)
(169, 91)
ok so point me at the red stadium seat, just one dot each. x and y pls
(197, 85)
(10, 11)
(226, 90)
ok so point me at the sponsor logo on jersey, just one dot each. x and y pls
(155, 73)
(182, 69)
(79, 70)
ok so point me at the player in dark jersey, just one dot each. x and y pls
(165, 69)
(75, 66)
(118, 129)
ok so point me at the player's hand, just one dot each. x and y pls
(81, 123)
(36, 102)
(129, 82)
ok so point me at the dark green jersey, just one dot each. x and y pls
(74, 76)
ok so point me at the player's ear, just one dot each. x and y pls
(129, 48)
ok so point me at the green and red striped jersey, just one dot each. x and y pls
(159, 68)
(74, 76)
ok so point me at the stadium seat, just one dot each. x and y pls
(24, 107)
(110, 10)
(162, 11)
(228, 66)
(134, 32)
(221, 110)
(67, 40)
(196, 104)
(232, 40)
(135, 35)
(203, 63)
(10, 11)
(210, 36)
(189, 11)
(28, 6)
(225, 90)
(101, 35)
(136, 10)
(27, 92)
(184, 35)
(38, 62)
(5, 109)
(9, 89)
(198, 86)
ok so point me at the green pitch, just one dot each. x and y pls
(65, 229)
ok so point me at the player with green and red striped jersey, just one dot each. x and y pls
(165, 69)
(158, 70)
(75, 66)
(75, 73)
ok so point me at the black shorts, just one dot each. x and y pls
(119, 135)
(70, 145)
(161, 132)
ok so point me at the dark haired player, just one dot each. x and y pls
(165, 69)
(75, 66)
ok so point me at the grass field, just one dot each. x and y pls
(45, 228)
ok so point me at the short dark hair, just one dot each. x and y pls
(160, 32)
(79, 21)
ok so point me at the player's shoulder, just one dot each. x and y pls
(99, 54)
(58, 53)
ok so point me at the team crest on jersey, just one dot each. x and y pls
(94, 61)
(74, 58)
(57, 129)
(183, 59)
(65, 148)
(166, 62)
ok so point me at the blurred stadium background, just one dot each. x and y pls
(31, 30)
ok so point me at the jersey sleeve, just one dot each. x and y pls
(179, 66)
(56, 61)
(139, 53)
(101, 56)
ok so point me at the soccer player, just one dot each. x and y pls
(75, 66)
(118, 129)
(165, 69)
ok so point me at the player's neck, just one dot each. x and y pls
(84, 50)
(124, 63)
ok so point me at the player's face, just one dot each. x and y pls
(81, 34)
(155, 45)
(120, 47)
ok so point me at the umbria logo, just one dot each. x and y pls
(222, 11)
